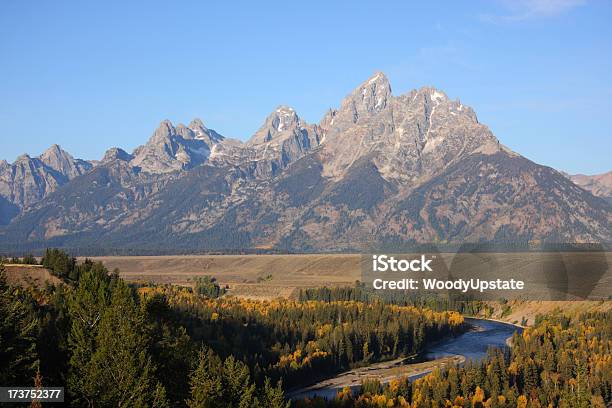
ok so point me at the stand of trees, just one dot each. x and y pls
(300, 342)
(361, 293)
(26, 260)
(563, 361)
(114, 344)
(109, 346)
(18, 330)
(208, 286)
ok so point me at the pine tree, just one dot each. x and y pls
(86, 306)
(121, 367)
(366, 352)
(205, 381)
(273, 397)
(60, 263)
(110, 363)
(171, 348)
(239, 392)
(18, 360)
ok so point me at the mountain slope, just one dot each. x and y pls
(500, 197)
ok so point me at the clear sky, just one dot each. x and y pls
(91, 75)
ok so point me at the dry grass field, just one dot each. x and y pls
(253, 276)
(269, 276)
(17, 274)
(530, 309)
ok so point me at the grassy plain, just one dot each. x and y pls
(274, 275)
(253, 276)
(270, 276)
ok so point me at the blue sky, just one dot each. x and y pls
(90, 76)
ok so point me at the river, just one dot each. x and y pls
(472, 344)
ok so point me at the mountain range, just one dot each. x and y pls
(599, 184)
(414, 168)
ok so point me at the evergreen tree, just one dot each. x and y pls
(59, 263)
(171, 348)
(205, 381)
(86, 306)
(29, 260)
(122, 368)
(273, 397)
(238, 390)
(208, 286)
(18, 359)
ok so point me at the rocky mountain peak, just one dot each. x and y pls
(61, 161)
(380, 80)
(282, 121)
(55, 157)
(201, 132)
(282, 139)
(164, 131)
(184, 132)
(30, 179)
(116, 153)
(406, 136)
(433, 95)
(23, 158)
(370, 97)
(364, 103)
(197, 124)
(174, 148)
(284, 117)
(54, 149)
(430, 100)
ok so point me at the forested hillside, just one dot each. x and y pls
(114, 344)
(111, 343)
(563, 361)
